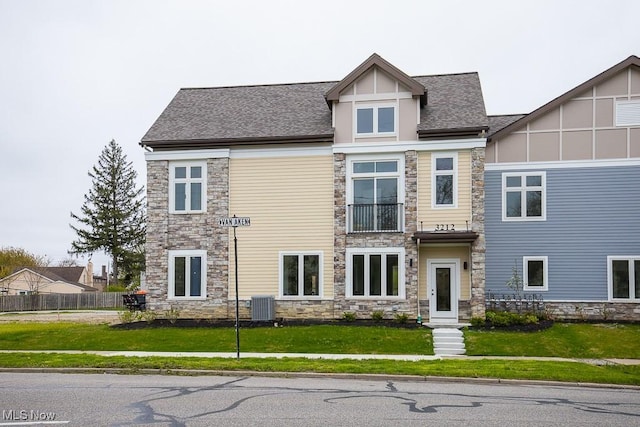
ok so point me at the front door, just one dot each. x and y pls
(443, 290)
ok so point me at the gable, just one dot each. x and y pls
(583, 124)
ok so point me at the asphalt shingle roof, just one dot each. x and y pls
(498, 122)
(227, 114)
(453, 101)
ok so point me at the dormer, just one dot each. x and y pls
(376, 102)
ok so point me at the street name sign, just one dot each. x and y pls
(234, 221)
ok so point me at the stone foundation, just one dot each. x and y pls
(593, 311)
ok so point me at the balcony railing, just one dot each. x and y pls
(375, 218)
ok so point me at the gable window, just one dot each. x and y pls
(187, 187)
(375, 120)
(187, 274)
(535, 272)
(524, 196)
(374, 195)
(624, 277)
(300, 274)
(375, 272)
(444, 179)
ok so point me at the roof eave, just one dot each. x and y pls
(474, 131)
(193, 144)
(632, 60)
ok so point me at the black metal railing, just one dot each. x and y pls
(375, 217)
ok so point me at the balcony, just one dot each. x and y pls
(375, 218)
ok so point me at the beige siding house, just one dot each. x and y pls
(48, 280)
(364, 195)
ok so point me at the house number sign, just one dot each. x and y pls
(445, 227)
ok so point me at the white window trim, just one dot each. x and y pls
(375, 108)
(545, 273)
(203, 286)
(523, 200)
(172, 187)
(350, 175)
(435, 173)
(300, 295)
(375, 251)
(628, 258)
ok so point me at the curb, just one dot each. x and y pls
(345, 376)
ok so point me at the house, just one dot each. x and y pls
(379, 193)
(48, 280)
(365, 195)
(562, 200)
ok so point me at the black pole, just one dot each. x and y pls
(235, 248)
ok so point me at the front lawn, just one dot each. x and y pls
(291, 339)
(572, 340)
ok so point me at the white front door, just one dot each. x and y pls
(443, 284)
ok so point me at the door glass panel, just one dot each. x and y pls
(363, 209)
(443, 289)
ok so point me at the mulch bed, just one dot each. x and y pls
(224, 323)
(532, 327)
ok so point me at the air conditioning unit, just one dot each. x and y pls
(263, 308)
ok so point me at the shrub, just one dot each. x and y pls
(401, 318)
(172, 315)
(148, 316)
(505, 318)
(477, 322)
(348, 316)
(377, 315)
(128, 316)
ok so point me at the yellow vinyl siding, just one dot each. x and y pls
(290, 202)
(450, 252)
(457, 216)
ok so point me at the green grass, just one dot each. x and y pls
(562, 340)
(573, 340)
(502, 369)
(297, 339)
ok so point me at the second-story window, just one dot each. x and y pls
(187, 187)
(375, 120)
(375, 199)
(444, 178)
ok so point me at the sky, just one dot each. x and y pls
(76, 74)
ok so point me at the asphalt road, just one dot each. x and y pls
(131, 400)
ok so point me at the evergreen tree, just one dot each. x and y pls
(113, 217)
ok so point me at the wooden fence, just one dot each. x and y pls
(87, 300)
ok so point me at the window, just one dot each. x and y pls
(444, 179)
(300, 274)
(374, 195)
(534, 270)
(375, 272)
(187, 274)
(375, 120)
(523, 196)
(187, 191)
(624, 277)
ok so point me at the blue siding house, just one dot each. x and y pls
(562, 199)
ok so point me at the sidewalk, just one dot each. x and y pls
(399, 357)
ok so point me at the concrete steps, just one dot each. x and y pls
(448, 341)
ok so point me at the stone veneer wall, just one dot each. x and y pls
(477, 224)
(167, 232)
(613, 311)
(363, 308)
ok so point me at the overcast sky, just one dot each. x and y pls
(76, 74)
